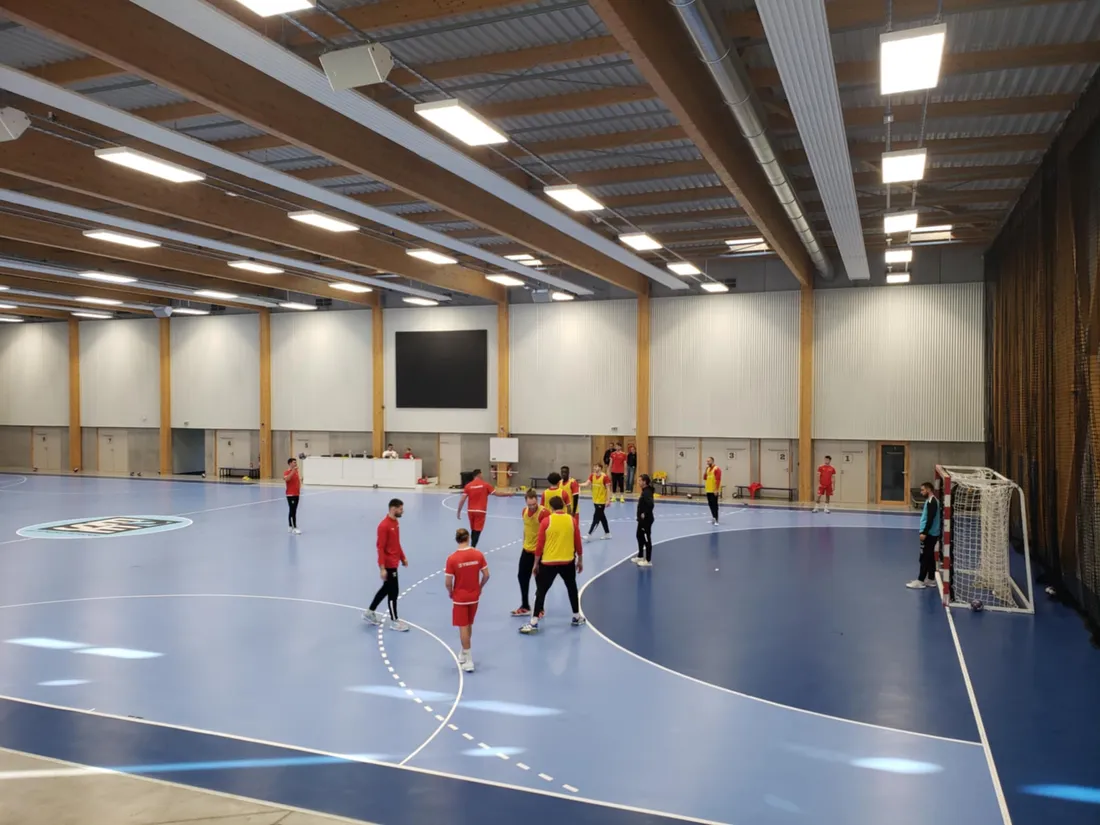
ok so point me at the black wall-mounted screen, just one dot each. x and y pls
(443, 370)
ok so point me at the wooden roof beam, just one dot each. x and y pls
(144, 44)
(652, 35)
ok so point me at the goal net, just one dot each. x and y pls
(976, 564)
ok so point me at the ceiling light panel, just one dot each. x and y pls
(421, 302)
(270, 8)
(10, 319)
(897, 278)
(189, 311)
(460, 121)
(905, 166)
(684, 268)
(504, 280)
(106, 302)
(108, 278)
(561, 296)
(358, 289)
(573, 197)
(899, 222)
(899, 256)
(215, 294)
(141, 162)
(254, 266)
(640, 241)
(911, 59)
(8, 306)
(431, 256)
(295, 305)
(120, 238)
(95, 316)
(322, 221)
(714, 286)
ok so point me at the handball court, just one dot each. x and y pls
(772, 669)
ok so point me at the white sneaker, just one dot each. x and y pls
(930, 583)
(636, 559)
(644, 563)
(399, 626)
(826, 509)
(588, 538)
(467, 664)
(916, 584)
(290, 530)
(296, 531)
(373, 616)
(817, 509)
(606, 537)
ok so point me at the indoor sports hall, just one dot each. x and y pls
(551, 411)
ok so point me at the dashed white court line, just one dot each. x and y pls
(445, 721)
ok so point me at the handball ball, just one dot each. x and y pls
(976, 606)
(689, 495)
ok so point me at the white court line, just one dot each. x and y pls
(21, 480)
(997, 789)
(251, 503)
(614, 644)
(15, 541)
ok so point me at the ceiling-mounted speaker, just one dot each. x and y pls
(162, 312)
(13, 123)
(540, 296)
(358, 66)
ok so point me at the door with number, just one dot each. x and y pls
(113, 451)
(732, 457)
(850, 460)
(310, 444)
(685, 462)
(235, 449)
(893, 473)
(775, 463)
(46, 454)
(450, 460)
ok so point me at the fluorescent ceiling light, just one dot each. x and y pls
(322, 221)
(141, 162)
(504, 280)
(714, 286)
(911, 58)
(904, 166)
(108, 278)
(943, 227)
(533, 262)
(929, 237)
(899, 222)
(523, 256)
(8, 319)
(640, 241)
(189, 311)
(2, 288)
(8, 306)
(252, 266)
(745, 242)
(103, 302)
(573, 197)
(899, 256)
(897, 278)
(456, 118)
(561, 296)
(421, 302)
(213, 293)
(431, 256)
(120, 238)
(358, 289)
(297, 306)
(269, 8)
(684, 268)
(98, 316)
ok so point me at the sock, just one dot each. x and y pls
(534, 620)
(576, 615)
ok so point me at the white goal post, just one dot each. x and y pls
(975, 561)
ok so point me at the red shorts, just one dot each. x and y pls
(822, 490)
(477, 521)
(463, 614)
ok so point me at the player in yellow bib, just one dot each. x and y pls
(600, 482)
(712, 485)
(533, 516)
(557, 553)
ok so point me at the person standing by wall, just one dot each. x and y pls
(390, 555)
(293, 493)
(618, 472)
(607, 455)
(825, 474)
(712, 485)
(631, 467)
(645, 523)
(931, 530)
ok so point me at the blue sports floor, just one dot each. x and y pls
(769, 670)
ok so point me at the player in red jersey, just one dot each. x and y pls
(477, 493)
(293, 493)
(390, 555)
(618, 472)
(467, 573)
(825, 475)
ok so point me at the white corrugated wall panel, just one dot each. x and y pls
(437, 319)
(120, 373)
(321, 371)
(574, 367)
(216, 372)
(900, 363)
(725, 366)
(34, 375)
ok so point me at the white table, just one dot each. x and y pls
(328, 471)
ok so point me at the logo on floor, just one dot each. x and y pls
(104, 527)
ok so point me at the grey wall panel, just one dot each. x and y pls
(15, 447)
(189, 451)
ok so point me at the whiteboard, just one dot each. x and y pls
(504, 450)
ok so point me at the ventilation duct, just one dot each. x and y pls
(798, 34)
(736, 89)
